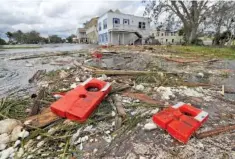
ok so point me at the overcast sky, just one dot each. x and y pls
(60, 17)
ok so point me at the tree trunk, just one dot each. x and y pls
(193, 34)
(190, 33)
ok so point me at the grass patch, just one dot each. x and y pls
(6, 47)
(204, 51)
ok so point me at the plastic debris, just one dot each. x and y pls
(180, 120)
(150, 126)
(71, 107)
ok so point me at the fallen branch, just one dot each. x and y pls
(36, 76)
(216, 131)
(196, 84)
(130, 73)
(37, 102)
(178, 60)
(89, 68)
(211, 61)
(41, 55)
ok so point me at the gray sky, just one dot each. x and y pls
(60, 17)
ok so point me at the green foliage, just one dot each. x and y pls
(70, 38)
(55, 39)
(19, 37)
(32, 37)
(181, 32)
(20, 47)
(198, 42)
(221, 39)
(2, 42)
(9, 35)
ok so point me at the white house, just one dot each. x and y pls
(116, 28)
(81, 35)
(91, 30)
(167, 37)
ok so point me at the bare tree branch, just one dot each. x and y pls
(185, 9)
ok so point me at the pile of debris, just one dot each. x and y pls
(121, 125)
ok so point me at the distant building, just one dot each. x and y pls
(91, 30)
(74, 40)
(117, 28)
(167, 37)
(81, 35)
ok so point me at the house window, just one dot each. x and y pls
(172, 40)
(166, 34)
(172, 34)
(142, 25)
(162, 34)
(126, 21)
(166, 40)
(99, 26)
(105, 24)
(103, 38)
(116, 21)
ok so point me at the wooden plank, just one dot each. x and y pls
(43, 119)
(128, 73)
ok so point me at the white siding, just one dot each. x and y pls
(165, 38)
(123, 30)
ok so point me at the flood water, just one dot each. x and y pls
(14, 75)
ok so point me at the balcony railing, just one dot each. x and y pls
(125, 27)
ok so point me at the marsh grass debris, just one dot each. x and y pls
(110, 132)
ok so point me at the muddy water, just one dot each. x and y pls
(14, 75)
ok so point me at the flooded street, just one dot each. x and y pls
(14, 75)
